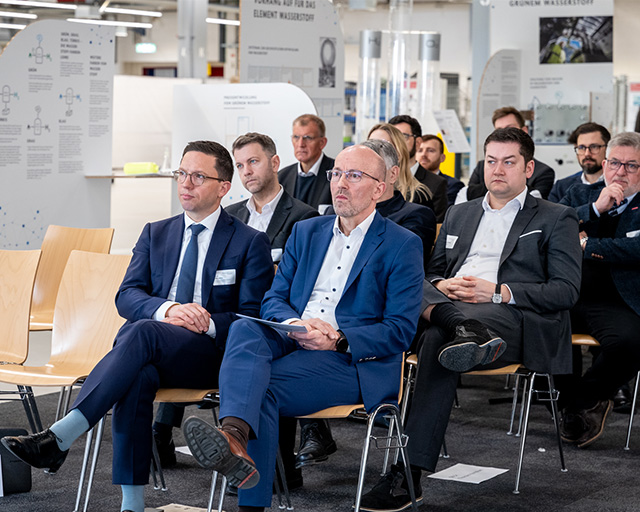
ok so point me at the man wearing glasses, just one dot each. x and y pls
(609, 305)
(305, 180)
(590, 142)
(188, 277)
(354, 282)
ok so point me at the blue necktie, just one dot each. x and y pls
(187, 277)
(614, 211)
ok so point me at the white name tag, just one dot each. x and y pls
(451, 241)
(276, 254)
(633, 234)
(225, 277)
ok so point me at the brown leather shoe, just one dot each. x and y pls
(217, 450)
(594, 418)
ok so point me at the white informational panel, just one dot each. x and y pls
(56, 80)
(304, 47)
(223, 112)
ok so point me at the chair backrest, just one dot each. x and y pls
(86, 320)
(17, 275)
(58, 243)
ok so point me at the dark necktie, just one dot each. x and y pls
(614, 211)
(187, 277)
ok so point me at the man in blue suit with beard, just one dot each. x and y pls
(354, 281)
(188, 278)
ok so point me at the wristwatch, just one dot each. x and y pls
(496, 298)
(342, 345)
(583, 242)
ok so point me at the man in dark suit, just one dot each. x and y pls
(609, 305)
(539, 183)
(511, 260)
(354, 282)
(412, 133)
(188, 278)
(589, 142)
(306, 179)
(431, 155)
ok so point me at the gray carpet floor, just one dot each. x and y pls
(603, 477)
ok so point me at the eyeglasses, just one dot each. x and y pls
(593, 148)
(197, 178)
(305, 138)
(407, 136)
(630, 167)
(352, 176)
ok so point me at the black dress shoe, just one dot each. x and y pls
(594, 418)
(473, 344)
(38, 450)
(622, 400)
(391, 493)
(166, 451)
(572, 426)
(316, 444)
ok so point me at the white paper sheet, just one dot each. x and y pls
(276, 325)
(468, 474)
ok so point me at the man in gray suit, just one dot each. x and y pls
(509, 259)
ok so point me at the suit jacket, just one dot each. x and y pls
(320, 192)
(561, 187)
(379, 308)
(236, 248)
(453, 187)
(288, 211)
(541, 180)
(541, 263)
(623, 251)
(438, 187)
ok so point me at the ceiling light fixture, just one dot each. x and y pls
(131, 24)
(14, 26)
(29, 3)
(221, 21)
(27, 16)
(133, 12)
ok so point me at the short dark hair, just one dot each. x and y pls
(520, 137)
(266, 142)
(507, 111)
(224, 164)
(416, 129)
(434, 137)
(305, 119)
(589, 128)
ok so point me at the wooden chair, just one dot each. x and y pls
(17, 275)
(590, 341)
(57, 244)
(528, 377)
(84, 326)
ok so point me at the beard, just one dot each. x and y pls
(591, 166)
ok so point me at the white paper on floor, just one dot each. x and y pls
(468, 474)
(183, 449)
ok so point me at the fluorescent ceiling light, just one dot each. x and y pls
(29, 3)
(146, 48)
(133, 12)
(14, 26)
(110, 23)
(221, 21)
(27, 16)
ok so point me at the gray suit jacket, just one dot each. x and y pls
(321, 191)
(541, 263)
(288, 211)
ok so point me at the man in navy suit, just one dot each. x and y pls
(354, 282)
(510, 260)
(188, 278)
(305, 180)
(609, 304)
(590, 142)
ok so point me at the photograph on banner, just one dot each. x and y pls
(576, 40)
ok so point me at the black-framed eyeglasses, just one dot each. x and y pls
(197, 178)
(305, 138)
(593, 148)
(352, 175)
(407, 136)
(630, 167)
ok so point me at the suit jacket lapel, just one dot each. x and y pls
(320, 181)
(467, 234)
(172, 247)
(371, 241)
(243, 213)
(521, 221)
(279, 216)
(222, 234)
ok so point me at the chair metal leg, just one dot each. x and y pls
(281, 476)
(525, 424)
(94, 463)
(443, 451)
(553, 396)
(633, 410)
(212, 491)
(524, 399)
(60, 402)
(156, 467)
(407, 465)
(514, 404)
(223, 491)
(83, 471)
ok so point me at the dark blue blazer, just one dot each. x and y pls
(234, 245)
(453, 187)
(623, 251)
(379, 308)
(561, 187)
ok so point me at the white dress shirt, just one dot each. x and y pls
(314, 168)
(414, 168)
(204, 240)
(260, 221)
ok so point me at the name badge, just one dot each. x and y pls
(276, 255)
(225, 277)
(633, 234)
(451, 241)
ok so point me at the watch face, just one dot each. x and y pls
(497, 298)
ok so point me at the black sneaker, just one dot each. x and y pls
(473, 344)
(391, 493)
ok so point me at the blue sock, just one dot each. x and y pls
(132, 498)
(69, 428)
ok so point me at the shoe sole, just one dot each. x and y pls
(465, 356)
(589, 441)
(403, 507)
(333, 448)
(211, 450)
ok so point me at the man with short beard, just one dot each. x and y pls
(590, 141)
